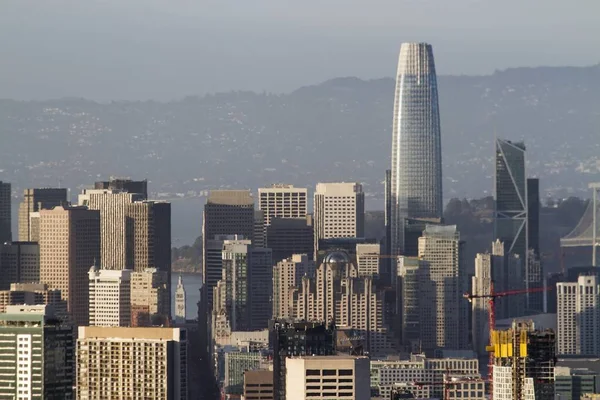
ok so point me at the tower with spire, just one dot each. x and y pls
(180, 301)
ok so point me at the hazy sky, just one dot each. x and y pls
(140, 49)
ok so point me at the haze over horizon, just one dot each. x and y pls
(138, 50)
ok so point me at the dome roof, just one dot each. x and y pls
(337, 258)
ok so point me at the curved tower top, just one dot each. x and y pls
(416, 181)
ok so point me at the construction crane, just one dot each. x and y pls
(491, 297)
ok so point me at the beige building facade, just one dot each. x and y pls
(110, 297)
(283, 201)
(35, 200)
(339, 210)
(149, 297)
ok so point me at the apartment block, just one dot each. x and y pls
(326, 377)
(148, 363)
(69, 245)
(109, 297)
(19, 263)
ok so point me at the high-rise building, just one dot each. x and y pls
(481, 285)
(338, 294)
(388, 218)
(282, 201)
(5, 212)
(19, 263)
(288, 236)
(339, 211)
(115, 237)
(115, 362)
(443, 250)
(258, 385)
(34, 226)
(34, 294)
(416, 173)
(35, 200)
(324, 377)
(69, 245)
(236, 363)
(368, 259)
(297, 339)
(124, 185)
(533, 214)
(578, 316)
(524, 360)
(413, 307)
(180, 301)
(36, 354)
(287, 276)
(226, 212)
(259, 236)
(110, 297)
(149, 298)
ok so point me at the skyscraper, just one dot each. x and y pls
(150, 296)
(36, 354)
(282, 201)
(288, 236)
(35, 200)
(69, 246)
(339, 211)
(124, 185)
(416, 177)
(19, 263)
(5, 212)
(109, 297)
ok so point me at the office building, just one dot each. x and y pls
(442, 249)
(35, 200)
(388, 224)
(36, 354)
(19, 263)
(259, 236)
(124, 185)
(325, 377)
(481, 285)
(69, 245)
(368, 258)
(575, 383)
(5, 212)
(150, 295)
(287, 276)
(288, 236)
(339, 211)
(283, 201)
(413, 290)
(114, 363)
(180, 301)
(422, 376)
(297, 339)
(258, 385)
(226, 212)
(109, 297)
(33, 294)
(236, 363)
(338, 294)
(524, 361)
(578, 316)
(533, 214)
(416, 173)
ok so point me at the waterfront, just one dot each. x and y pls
(192, 284)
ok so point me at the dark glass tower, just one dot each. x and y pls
(416, 173)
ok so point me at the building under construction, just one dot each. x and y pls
(524, 360)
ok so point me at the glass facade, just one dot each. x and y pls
(416, 173)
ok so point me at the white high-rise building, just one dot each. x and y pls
(110, 297)
(180, 301)
(578, 316)
(282, 201)
(367, 259)
(327, 377)
(339, 211)
(442, 248)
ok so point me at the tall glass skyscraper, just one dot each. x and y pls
(416, 181)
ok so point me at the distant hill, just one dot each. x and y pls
(336, 130)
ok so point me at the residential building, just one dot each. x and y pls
(339, 211)
(443, 250)
(110, 297)
(35, 200)
(325, 377)
(288, 236)
(36, 354)
(578, 316)
(283, 201)
(368, 259)
(287, 276)
(116, 362)
(258, 385)
(19, 263)
(297, 339)
(69, 244)
(5, 212)
(416, 181)
(180, 301)
(149, 298)
(33, 294)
